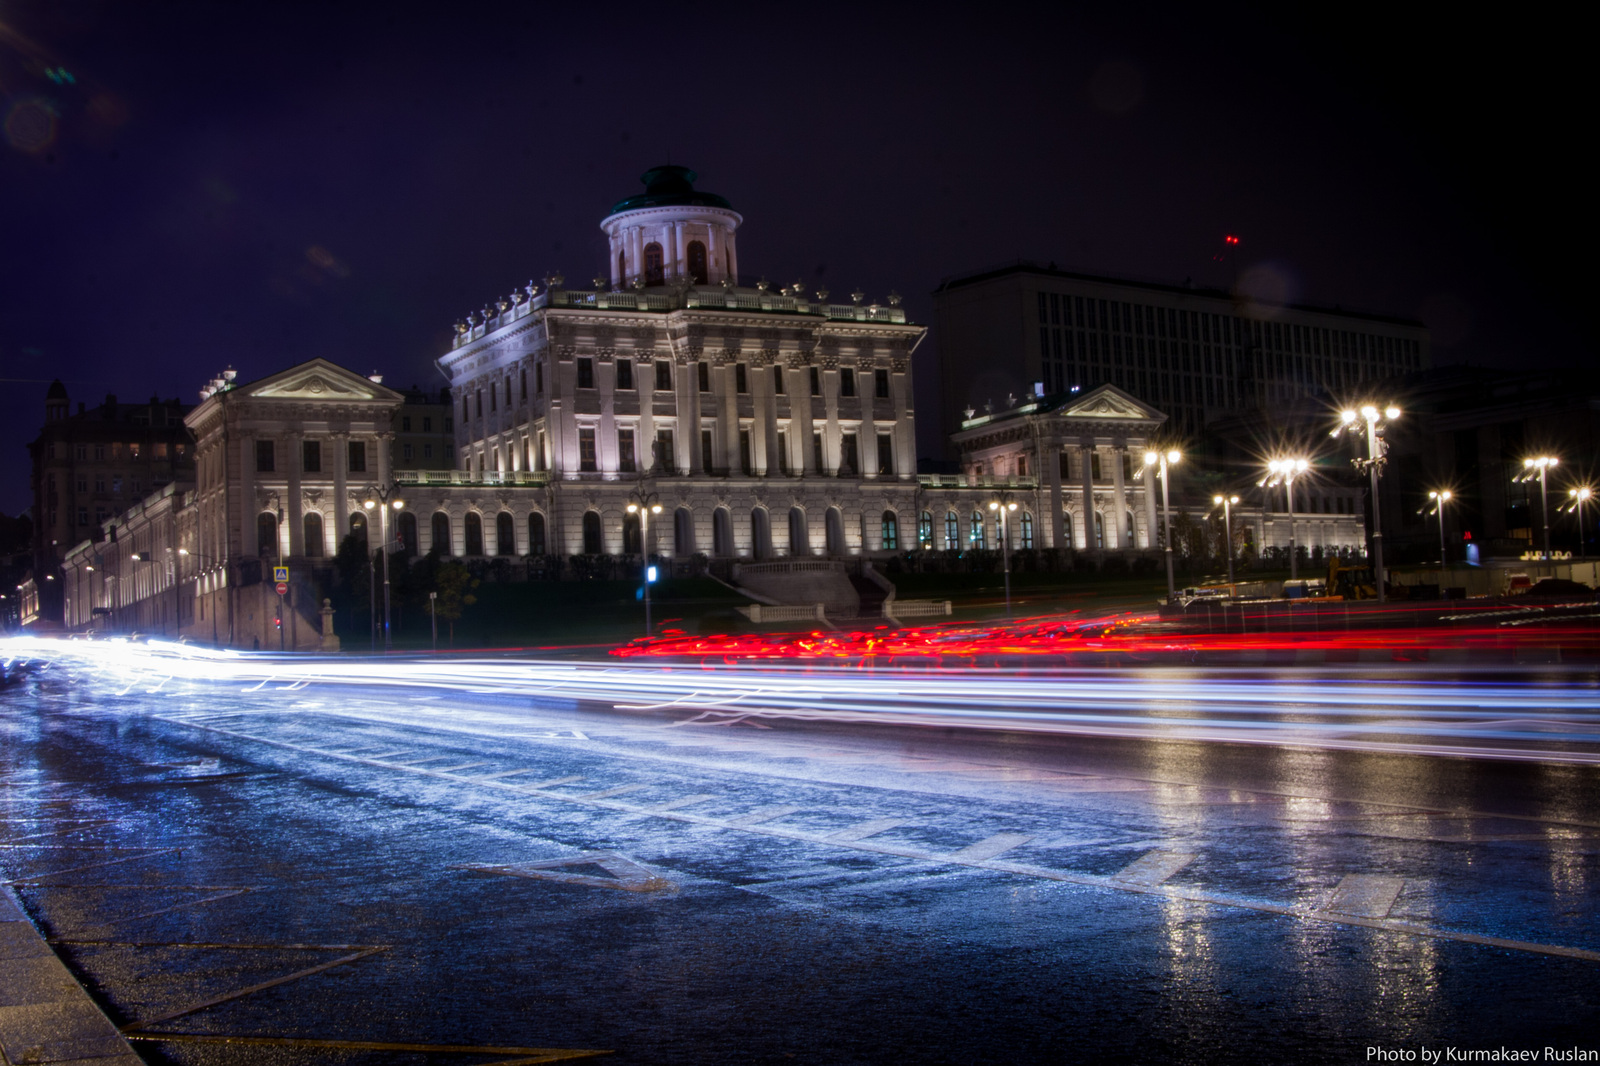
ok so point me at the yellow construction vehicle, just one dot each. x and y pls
(1350, 581)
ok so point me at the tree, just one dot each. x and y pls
(454, 584)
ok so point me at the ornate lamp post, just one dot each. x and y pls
(1286, 470)
(1440, 498)
(1377, 450)
(1581, 496)
(1541, 466)
(1227, 503)
(1162, 460)
(644, 504)
(383, 498)
(1003, 507)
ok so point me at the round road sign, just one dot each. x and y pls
(283, 588)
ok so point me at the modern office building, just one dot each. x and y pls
(1194, 353)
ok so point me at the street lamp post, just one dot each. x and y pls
(644, 504)
(383, 498)
(1542, 465)
(1002, 507)
(1286, 470)
(1227, 503)
(1162, 460)
(1581, 496)
(1377, 451)
(1440, 498)
(433, 615)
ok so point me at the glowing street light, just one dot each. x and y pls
(1581, 496)
(1377, 451)
(1540, 466)
(383, 498)
(644, 504)
(1285, 471)
(1227, 502)
(1162, 460)
(1440, 498)
(1003, 507)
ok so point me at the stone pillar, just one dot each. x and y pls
(804, 406)
(1049, 460)
(1150, 506)
(722, 380)
(340, 443)
(905, 431)
(294, 507)
(764, 405)
(832, 447)
(218, 531)
(1119, 498)
(1086, 455)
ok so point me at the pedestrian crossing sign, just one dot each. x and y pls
(280, 573)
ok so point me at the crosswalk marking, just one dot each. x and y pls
(1365, 895)
(989, 848)
(763, 814)
(554, 781)
(463, 766)
(1154, 867)
(866, 829)
(505, 773)
(607, 792)
(681, 801)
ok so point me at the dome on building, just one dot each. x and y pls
(670, 186)
(57, 391)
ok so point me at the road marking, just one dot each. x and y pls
(463, 766)
(622, 872)
(1364, 896)
(763, 814)
(385, 754)
(1154, 867)
(505, 773)
(681, 801)
(554, 781)
(866, 829)
(607, 793)
(527, 1056)
(431, 758)
(988, 849)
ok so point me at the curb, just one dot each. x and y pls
(45, 1015)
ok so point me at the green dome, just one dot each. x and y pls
(670, 186)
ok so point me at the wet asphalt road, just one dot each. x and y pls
(491, 872)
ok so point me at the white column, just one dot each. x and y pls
(1119, 499)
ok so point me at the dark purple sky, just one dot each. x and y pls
(256, 185)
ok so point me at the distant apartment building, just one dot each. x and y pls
(1194, 353)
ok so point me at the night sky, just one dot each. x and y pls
(185, 187)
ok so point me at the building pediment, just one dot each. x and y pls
(1109, 402)
(318, 380)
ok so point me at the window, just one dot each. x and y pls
(663, 376)
(978, 540)
(816, 453)
(664, 460)
(777, 380)
(80, 452)
(592, 544)
(161, 450)
(474, 524)
(952, 532)
(703, 368)
(505, 534)
(1022, 465)
(427, 451)
(427, 424)
(653, 272)
(265, 459)
(83, 482)
(99, 483)
(745, 465)
(891, 532)
(847, 382)
(1066, 529)
(83, 516)
(441, 533)
(494, 403)
(1094, 465)
(925, 530)
(116, 485)
(586, 456)
(99, 451)
(538, 378)
(706, 450)
(466, 410)
(721, 532)
(799, 539)
(880, 384)
(1027, 531)
(266, 534)
(585, 373)
(311, 456)
(315, 549)
(783, 452)
(405, 452)
(405, 424)
(1099, 530)
(624, 373)
(622, 267)
(816, 381)
(522, 381)
(406, 534)
(358, 457)
(697, 262)
(741, 383)
(626, 461)
(449, 423)
(535, 533)
(480, 403)
(849, 459)
(885, 454)
(683, 532)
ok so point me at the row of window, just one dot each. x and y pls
(427, 423)
(655, 263)
(112, 450)
(311, 456)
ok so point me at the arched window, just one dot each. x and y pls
(535, 533)
(891, 532)
(622, 268)
(833, 528)
(439, 544)
(1099, 530)
(980, 540)
(1027, 530)
(1066, 530)
(952, 532)
(315, 549)
(632, 542)
(925, 531)
(267, 535)
(721, 532)
(408, 534)
(474, 533)
(505, 534)
(592, 542)
(1128, 539)
(799, 536)
(683, 532)
(654, 274)
(760, 533)
(697, 262)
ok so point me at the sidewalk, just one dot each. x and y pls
(45, 1015)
